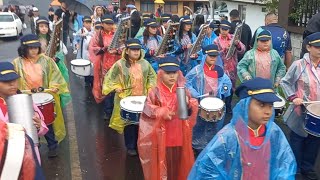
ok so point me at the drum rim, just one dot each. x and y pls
(130, 97)
(43, 103)
(309, 112)
(282, 100)
(211, 110)
(74, 60)
(131, 111)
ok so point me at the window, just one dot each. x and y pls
(6, 18)
(15, 16)
(171, 7)
(147, 7)
(243, 11)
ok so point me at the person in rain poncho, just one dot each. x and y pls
(97, 14)
(164, 141)
(38, 70)
(183, 43)
(44, 33)
(262, 61)
(251, 146)
(207, 78)
(82, 40)
(102, 60)
(209, 39)
(150, 42)
(229, 65)
(165, 19)
(302, 83)
(135, 73)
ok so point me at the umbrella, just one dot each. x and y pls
(78, 7)
(14, 2)
(55, 3)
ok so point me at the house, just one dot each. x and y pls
(252, 11)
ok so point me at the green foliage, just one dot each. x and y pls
(271, 5)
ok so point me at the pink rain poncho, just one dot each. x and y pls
(157, 135)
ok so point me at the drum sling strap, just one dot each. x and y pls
(15, 152)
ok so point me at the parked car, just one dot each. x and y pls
(10, 25)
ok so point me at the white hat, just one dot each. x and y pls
(34, 9)
(131, 6)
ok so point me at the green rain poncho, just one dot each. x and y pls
(139, 76)
(247, 67)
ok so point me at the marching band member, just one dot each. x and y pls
(302, 83)
(150, 42)
(102, 60)
(29, 168)
(97, 14)
(97, 28)
(164, 23)
(142, 28)
(207, 78)
(82, 40)
(134, 72)
(262, 61)
(230, 65)
(252, 145)
(8, 87)
(164, 141)
(184, 43)
(37, 70)
(44, 33)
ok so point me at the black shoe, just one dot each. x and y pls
(53, 153)
(310, 175)
(132, 152)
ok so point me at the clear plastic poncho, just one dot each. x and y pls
(247, 65)
(153, 132)
(230, 155)
(139, 77)
(303, 81)
(198, 83)
(44, 73)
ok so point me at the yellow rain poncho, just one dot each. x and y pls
(44, 73)
(139, 76)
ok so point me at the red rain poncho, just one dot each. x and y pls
(153, 132)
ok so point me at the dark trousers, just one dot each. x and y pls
(88, 80)
(131, 136)
(173, 158)
(51, 139)
(228, 101)
(65, 37)
(305, 150)
(108, 104)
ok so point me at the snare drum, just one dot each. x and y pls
(45, 102)
(212, 109)
(279, 106)
(312, 120)
(82, 67)
(131, 108)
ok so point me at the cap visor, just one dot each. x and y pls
(170, 68)
(154, 25)
(34, 44)
(225, 28)
(108, 22)
(267, 97)
(134, 47)
(264, 39)
(315, 44)
(213, 53)
(9, 77)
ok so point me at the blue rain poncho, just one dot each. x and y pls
(230, 155)
(197, 82)
(151, 58)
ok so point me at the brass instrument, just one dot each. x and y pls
(236, 36)
(56, 37)
(167, 44)
(197, 44)
(121, 34)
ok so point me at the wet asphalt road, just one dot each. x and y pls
(90, 150)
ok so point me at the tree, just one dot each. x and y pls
(271, 5)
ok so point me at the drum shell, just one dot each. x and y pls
(47, 110)
(82, 70)
(20, 111)
(130, 117)
(279, 111)
(312, 124)
(211, 115)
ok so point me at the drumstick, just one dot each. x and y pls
(307, 102)
(127, 88)
(203, 95)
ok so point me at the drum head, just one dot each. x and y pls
(42, 98)
(314, 109)
(80, 62)
(133, 103)
(211, 103)
(279, 104)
